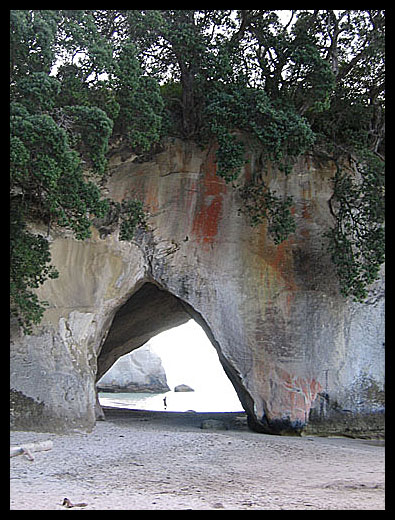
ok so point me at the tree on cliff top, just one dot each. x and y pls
(310, 81)
(60, 131)
(314, 82)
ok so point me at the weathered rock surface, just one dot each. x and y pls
(138, 371)
(290, 344)
(183, 388)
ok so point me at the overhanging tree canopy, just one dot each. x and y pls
(308, 81)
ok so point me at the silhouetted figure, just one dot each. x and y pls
(165, 403)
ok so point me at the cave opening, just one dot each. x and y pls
(181, 359)
(167, 327)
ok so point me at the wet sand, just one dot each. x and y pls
(165, 460)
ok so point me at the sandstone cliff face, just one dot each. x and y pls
(138, 371)
(287, 340)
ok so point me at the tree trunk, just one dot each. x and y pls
(188, 104)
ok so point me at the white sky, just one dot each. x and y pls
(188, 357)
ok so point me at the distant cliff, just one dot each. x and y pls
(138, 371)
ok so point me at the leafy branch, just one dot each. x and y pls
(357, 240)
(260, 204)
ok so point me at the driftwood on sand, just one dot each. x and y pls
(26, 449)
(67, 503)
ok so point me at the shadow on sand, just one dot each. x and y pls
(176, 420)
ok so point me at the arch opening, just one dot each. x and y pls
(150, 311)
(153, 375)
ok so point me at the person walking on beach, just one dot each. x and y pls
(165, 403)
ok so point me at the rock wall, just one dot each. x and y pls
(293, 348)
(138, 371)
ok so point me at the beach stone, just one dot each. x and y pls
(295, 350)
(183, 388)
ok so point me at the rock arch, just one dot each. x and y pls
(148, 312)
(288, 341)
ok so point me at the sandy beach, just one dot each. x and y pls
(157, 460)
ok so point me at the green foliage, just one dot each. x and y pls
(140, 113)
(37, 92)
(132, 217)
(32, 42)
(230, 155)
(48, 174)
(89, 130)
(59, 135)
(281, 132)
(171, 93)
(261, 204)
(357, 241)
(29, 269)
(47, 184)
(80, 79)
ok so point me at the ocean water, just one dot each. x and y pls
(199, 401)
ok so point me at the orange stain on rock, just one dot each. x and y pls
(210, 201)
(276, 268)
(281, 261)
(298, 394)
(151, 198)
(306, 213)
(144, 190)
